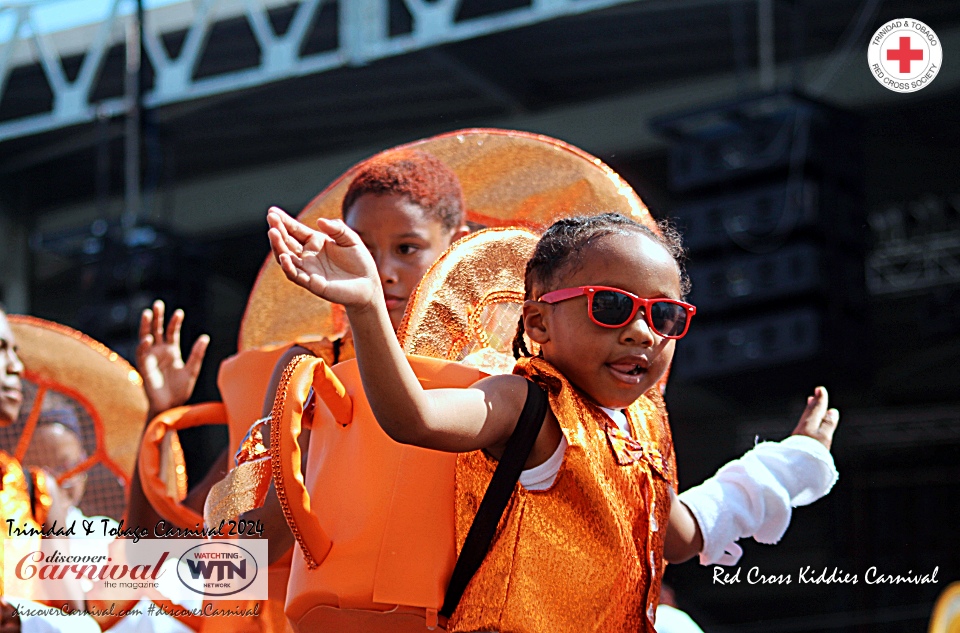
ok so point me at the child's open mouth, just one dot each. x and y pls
(628, 372)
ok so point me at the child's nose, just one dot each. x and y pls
(387, 269)
(638, 331)
(14, 364)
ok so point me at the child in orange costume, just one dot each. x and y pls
(407, 208)
(589, 550)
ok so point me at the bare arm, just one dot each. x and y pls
(454, 420)
(9, 618)
(333, 264)
(168, 382)
(683, 540)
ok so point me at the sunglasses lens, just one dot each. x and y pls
(669, 319)
(611, 308)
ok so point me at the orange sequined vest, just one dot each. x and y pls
(586, 554)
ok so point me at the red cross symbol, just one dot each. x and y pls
(905, 54)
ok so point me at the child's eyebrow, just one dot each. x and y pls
(411, 234)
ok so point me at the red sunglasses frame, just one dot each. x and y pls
(557, 296)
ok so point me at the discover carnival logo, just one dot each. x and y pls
(905, 55)
(122, 569)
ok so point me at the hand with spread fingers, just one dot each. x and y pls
(332, 263)
(817, 421)
(167, 379)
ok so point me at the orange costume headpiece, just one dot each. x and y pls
(106, 394)
(107, 399)
(508, 178)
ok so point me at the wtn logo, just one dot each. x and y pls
(217, 568)
(223, 568)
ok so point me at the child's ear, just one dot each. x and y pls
(534, 321)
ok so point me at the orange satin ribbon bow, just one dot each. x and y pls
(628, 450)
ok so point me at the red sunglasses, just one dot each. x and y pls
(613, 308)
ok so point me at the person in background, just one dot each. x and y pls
(57, 447)
(407, 207)
(17, 503)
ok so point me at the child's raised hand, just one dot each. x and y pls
(332, 263)
(817, 421)
(167, 379)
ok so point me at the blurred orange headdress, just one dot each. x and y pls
(508, 178)
(106, 396)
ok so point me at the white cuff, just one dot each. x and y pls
(753, 495)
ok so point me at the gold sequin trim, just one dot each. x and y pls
(275, 429)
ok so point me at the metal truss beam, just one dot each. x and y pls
(363, 37)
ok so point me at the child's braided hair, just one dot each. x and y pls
(563, 243)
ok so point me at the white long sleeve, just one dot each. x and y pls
(753, 495)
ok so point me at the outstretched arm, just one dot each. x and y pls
(333, 264)
(722, 505)
(168, 382)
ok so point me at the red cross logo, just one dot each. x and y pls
(905, 54)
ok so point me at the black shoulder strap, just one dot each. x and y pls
(498, 493)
